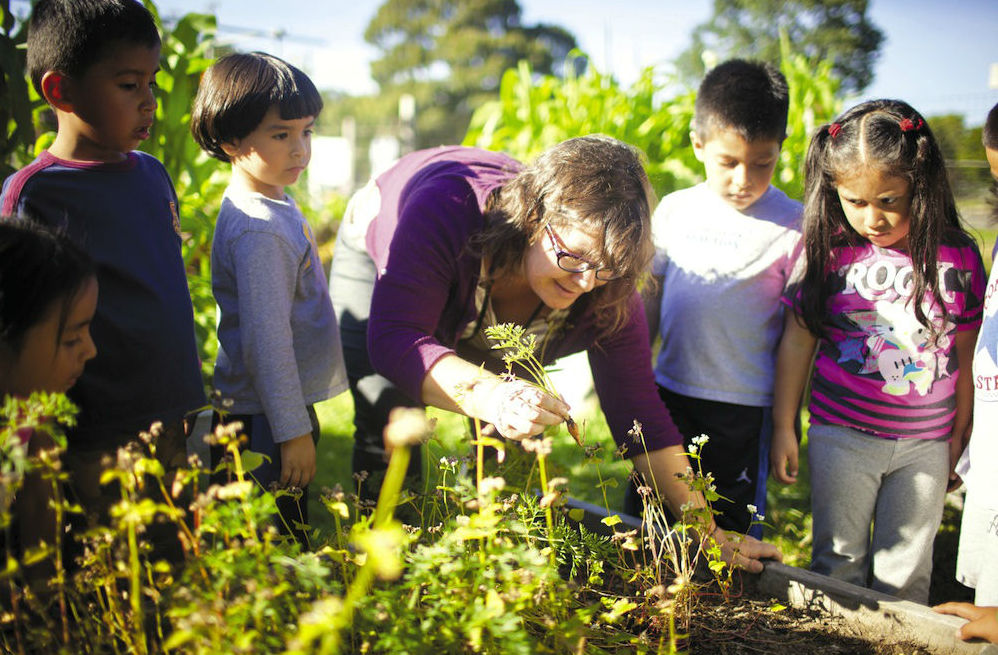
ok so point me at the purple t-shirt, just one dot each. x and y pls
(878, 371)
(424, 297)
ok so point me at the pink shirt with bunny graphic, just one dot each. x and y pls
(877, 369)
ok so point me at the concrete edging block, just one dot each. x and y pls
(867, 612)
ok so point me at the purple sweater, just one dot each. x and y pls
(431, 205)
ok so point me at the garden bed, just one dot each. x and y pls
(787, 609)
(868, 613)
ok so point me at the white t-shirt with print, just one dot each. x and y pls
(724, 273)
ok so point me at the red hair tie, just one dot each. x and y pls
(834, 129)
(908, 125)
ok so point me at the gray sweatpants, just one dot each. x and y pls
(898, 486)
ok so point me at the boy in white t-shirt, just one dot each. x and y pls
(725, 250)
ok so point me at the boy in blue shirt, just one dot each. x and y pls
(725, 250)
(95, 63)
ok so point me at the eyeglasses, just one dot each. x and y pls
(573, 263)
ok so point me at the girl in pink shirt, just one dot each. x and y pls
(891, 299)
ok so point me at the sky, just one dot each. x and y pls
(937, 55)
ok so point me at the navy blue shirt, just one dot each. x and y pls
(124, 215)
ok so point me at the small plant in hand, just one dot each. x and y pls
(520, 349)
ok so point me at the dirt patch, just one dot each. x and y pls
(747, 625)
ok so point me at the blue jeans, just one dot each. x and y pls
(261, 440)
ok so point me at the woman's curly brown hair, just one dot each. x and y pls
(593, 183)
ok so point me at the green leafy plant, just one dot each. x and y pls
(19, 104)
(489, 567)
(43, 417)
(535, 112)
(672, 553)
(814, 100)
(654, 114)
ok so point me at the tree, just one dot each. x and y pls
(834, 30)
(450, 56)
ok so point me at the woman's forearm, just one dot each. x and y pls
(457, 386)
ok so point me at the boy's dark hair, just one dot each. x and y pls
(989, 135)
(890, 137)
(38, 268)
(69, 36)
(748, 97)
(237, 91)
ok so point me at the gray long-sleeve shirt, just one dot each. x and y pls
(279, 344)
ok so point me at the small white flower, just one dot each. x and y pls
(540, 446)
(490, 485)
(752, 509)
(701, 440)
(406, 427)
(692, 448)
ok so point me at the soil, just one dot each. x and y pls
(748, 625)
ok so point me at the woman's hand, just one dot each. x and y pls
(981, 621)
(744, 552)
(518, 409)
(667, 467)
